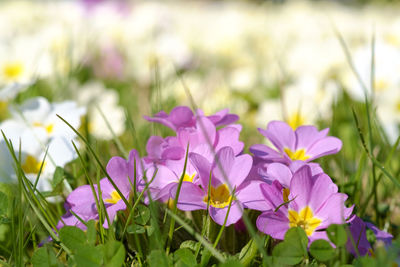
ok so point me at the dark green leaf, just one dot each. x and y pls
(186, 256)
(231, 263)
(158, 258)
(91, 233)
(3, 203)
(322, 250)
(288, 254)
(89, 256)
(73, 237)
(142, 215)
(337, 234)
(114, 253)
(297, 238)
(248, 252)
(44, 257)
(190, 244)
(135, 229)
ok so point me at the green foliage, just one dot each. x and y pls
(293, 249)
(184, 257)
(158, 258)
(337, 234)
(45, 257)
(113, 253)
(85, 252)
(322, 250)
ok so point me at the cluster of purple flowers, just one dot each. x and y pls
(281, 182)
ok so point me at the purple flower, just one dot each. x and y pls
(312, 202)
(82, 202)
(305, 144)
(358, 230)
(227, 173)
(283, 173)
(198, 137)
(183, 117)
(380, 235)
(167, 155)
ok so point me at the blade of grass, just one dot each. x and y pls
(225, 220)
(98, 162)
(100, 210)
(377, 163)
(172, 223)
(24, 182)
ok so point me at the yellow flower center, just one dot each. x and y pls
(295, 120)
(305, 220)
(31, 165)
(285, 193)
(398, 106)
(115, 197)
(13, 70)
(49, 128)
(299, 154)
(3, 110)
(219, 197)
(189, 178)
(381, 85)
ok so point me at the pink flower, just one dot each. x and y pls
(312, 202)
(305, 144)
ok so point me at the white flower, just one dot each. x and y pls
(100, 99)
(33, 128)
(388, 112)
(303, 102)
(387, 68)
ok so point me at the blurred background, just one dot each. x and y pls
(305, 62)
(262, 59)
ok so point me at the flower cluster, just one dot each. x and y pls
(205, 163)
(42, 139)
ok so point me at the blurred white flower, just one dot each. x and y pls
(304, 102)
(34, 128)
(387, 69)
(95, 96)
(388, 112)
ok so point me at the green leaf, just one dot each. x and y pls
(190, 244)
(88, 256)
(149, 229)
(158, 258)
(288, 254)
(44, 257)
(186, 256)
(298, 239)
(231, 263)
(91, 233)
(322, 250)
(248, 252)
(114, 253)
(73, 237)
(58, 176)
(3, 203)
(135, 229)
(337, 234)
(143, 215)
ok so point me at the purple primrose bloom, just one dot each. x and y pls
(228, 173)
(82, 202)
(305, 144)
(312, 202)
(183, 117)
(358, 229)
